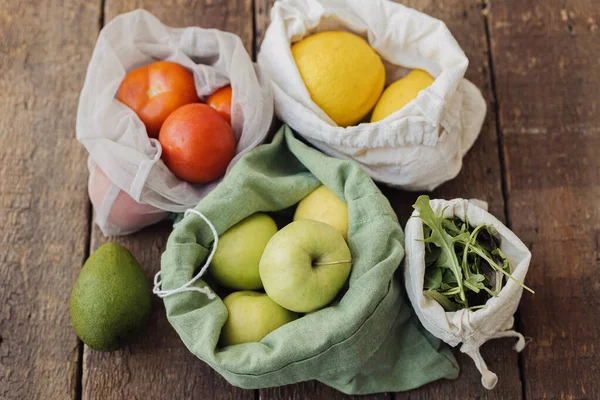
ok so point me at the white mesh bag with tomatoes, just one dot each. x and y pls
(426, 122)
(179, 83)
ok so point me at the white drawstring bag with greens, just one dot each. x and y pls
(417, 147)
(471, 328)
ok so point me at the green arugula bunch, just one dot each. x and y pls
(464, 266)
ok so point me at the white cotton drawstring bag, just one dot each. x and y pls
(415, 148)
(121, 152)
(471, 328)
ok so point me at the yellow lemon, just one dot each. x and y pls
(342, 73)
(400, 93)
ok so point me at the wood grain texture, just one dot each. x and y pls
(43, 201)
(546, 62)
(158, 365)
(313, 390)
(480, 178)
(262, 10)
(234, 16)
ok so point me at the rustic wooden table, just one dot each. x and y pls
(537, 163)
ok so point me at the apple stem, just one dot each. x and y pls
(333, 263)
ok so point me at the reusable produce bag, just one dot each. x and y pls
(116, 138)
(367, 342)
(415, 148)
(471, 328)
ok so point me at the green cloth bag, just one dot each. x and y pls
(367, 342)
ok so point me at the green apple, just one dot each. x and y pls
(323, 205)
(235, 263)
(252, 316)
(305, 265)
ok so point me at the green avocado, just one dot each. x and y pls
(111, 299)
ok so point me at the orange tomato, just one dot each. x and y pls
(221, 101)
(155, 91)
(197, 143)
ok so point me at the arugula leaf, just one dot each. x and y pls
(449, 225)
(486, 257)
(443, 261)
(443, 300)
(433, 278)
(477, 278)
(449, 277)
(503, 259)
(470, 238)
(432, 254)
(440, 238)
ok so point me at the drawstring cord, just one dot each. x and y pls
(187, 286)
(488, 378)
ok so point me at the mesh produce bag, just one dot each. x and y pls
(125, 165)
(367, 341)
(416, 148)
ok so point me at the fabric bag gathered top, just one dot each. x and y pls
(367, 341)
(416, 148)
(471, 328)
(130, 170)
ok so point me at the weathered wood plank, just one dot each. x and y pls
(262, 9)
(546, 71)
(44, 210)
(228, 15)
(480, 178)
(158, 365)
(312, 390)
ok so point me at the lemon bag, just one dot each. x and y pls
(130, 187)
(417, 147)
(367, 341)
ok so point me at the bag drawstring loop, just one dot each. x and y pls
(187, 286)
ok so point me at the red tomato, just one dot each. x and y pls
(221, 101)
(197, 143)
(155, 91)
